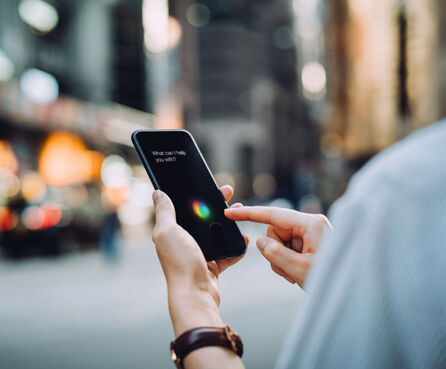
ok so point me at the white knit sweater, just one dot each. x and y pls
(376, 295)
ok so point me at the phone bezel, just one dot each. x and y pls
(157, 186)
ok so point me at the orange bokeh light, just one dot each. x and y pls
(117, 196)
(7, 158)
(64, 161)
(8, 219)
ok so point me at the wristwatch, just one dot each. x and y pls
(196, 338)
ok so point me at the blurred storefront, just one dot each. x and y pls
(72, 76)
(64, 166)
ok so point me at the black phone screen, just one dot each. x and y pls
(175, 166)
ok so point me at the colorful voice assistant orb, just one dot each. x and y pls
(201, 209)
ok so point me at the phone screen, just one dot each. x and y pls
(175, 166)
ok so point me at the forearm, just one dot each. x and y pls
(191, 308)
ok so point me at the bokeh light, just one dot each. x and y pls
(31, 217)
(314, 78)
(264, 185)
(140, 193)
(115, 172)
(116, 196)
(8, 219)
(156, 25)
(6, 67)
(52, 214)
(174, 33)
(198, 14)
(64, 160)
(39, 87)
(9, 183)
(41, 217)
(39, 14)
(132, 215)
(8, 159)
(33, 187)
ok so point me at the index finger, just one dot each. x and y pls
(278, 217)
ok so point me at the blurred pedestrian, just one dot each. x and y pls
(110, 235)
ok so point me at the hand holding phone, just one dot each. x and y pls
(175, 166)
(193, 291)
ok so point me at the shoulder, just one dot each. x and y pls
(416, 164)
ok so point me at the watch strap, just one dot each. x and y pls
(196, 338)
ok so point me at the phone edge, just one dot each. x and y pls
(144, 160)
(218, 188)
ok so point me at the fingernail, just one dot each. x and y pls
(261, 243)
(156, 196)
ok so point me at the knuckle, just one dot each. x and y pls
(157, 235)
(272, 250)
(305, 264)
(321, 221)
(162, 234)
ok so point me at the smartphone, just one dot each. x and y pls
(176, 166)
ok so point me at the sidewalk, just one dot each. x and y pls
(78, 312)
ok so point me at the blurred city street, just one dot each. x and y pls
(79, 312)
(286, 101)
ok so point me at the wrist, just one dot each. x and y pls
(192, 307)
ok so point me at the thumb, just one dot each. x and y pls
(164, 209)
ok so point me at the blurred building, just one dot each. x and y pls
(286, 98)
(229, 71)
(386, 62)
(94, 49)
(239, 88)
(72, 89)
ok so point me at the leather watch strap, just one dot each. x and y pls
(204, 336)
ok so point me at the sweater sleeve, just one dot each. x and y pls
(375, 297)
